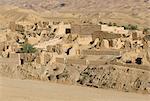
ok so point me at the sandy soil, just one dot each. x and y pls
(19, 90)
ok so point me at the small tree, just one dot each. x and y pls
(133, 27)
(28, 48)
(130, 27)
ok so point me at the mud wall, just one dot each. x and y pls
(99, 76)
(103, 76)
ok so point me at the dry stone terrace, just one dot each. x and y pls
(86, 54)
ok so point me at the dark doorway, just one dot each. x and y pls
(111, 43)
(68, 30)
(55, 30)
(68, 51)
(138, 61)
(22, 61)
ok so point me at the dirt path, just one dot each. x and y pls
(19, 90)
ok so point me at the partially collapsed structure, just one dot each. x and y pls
(78, 54)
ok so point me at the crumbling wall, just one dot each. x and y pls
(102, 76)
(55, 48)
(28, 57)
(16, 27)
(116, 77)
(99, 76)
(20, 72)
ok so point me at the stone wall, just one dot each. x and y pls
(96, 62)
(71, 61)
(60, 60)
(121, 78)
(104, 76)
(2, 46)
(84, 29)
(100, 52)
(105, 35)
(80, 61)
(76, 61)
(114, 29)
(116, 77)
(9, 61)
(16, 27)
(14, 59)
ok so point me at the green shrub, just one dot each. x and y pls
(130, 27)
(28, 48)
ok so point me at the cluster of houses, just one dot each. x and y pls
(60, 39)
(98, 56)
